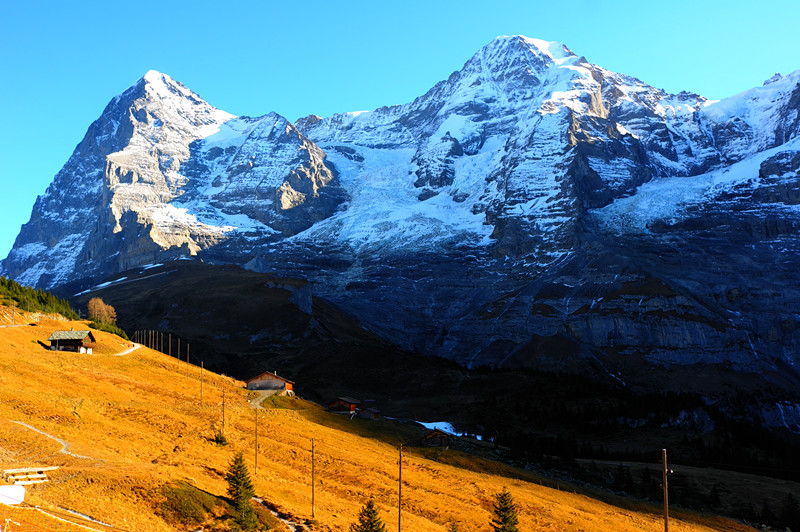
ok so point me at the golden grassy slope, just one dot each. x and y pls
(139, 419)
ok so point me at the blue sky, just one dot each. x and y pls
(61, 62)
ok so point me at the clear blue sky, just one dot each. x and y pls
(61, 62)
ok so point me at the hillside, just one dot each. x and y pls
(242, 323)
(136, 423)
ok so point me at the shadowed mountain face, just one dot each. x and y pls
(243, 323)
(532, 210)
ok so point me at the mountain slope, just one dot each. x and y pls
(136, 423)
(533, 209)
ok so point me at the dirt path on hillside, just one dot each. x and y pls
(294, 526)
(262, 394)
(64, 445)
(127, 351)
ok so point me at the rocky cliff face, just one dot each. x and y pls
(532, 209)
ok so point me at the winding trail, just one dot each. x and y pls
(127, 351)
(64, 445)
(262, 394)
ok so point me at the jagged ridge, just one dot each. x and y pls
(512, 214)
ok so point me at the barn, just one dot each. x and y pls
(270, 381)
(344, 404)
(72, 340)
(436, 438)
(369, 413)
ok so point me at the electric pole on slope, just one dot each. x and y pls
(313, 477)
(400, 491)
(664, 473)
(255, 474)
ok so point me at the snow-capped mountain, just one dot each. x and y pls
(533, 208)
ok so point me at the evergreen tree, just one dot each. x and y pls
(452, 527)
(505, 513)
(241, 490)
(368, 520)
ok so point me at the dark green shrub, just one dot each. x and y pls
(220, 439)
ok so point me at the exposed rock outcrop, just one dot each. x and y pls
(532, 209)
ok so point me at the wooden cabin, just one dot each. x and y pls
(369, 413)
(270, 381)
(72, 340)
(436, 438)
(344, 404)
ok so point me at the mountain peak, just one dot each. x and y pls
(162, 85)
(548, 50)
(154, 76)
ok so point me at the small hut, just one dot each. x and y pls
(270, 381)
(436, 438)
(369, 413)
(72, 340)
(344, 404)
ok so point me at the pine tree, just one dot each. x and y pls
(241, 490)
(368, 520)
(452, 527)
(505, 513)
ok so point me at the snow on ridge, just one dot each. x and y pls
(752, 102)
(167, 217)
(667, 198)
(385, 212)
(553, 49)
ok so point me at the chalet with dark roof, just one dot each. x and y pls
(76, 341)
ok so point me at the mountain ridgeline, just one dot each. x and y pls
(532, 210)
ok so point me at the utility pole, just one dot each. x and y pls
(169, 341)
(313, 477)
(256, 467)
(664, 484)
(400, 491)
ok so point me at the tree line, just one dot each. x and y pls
(34, 299)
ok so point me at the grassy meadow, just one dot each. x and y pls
(136, 423)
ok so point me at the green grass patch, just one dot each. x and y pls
(187, 505)
(283, 401)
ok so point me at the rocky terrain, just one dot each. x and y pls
(531, 210)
